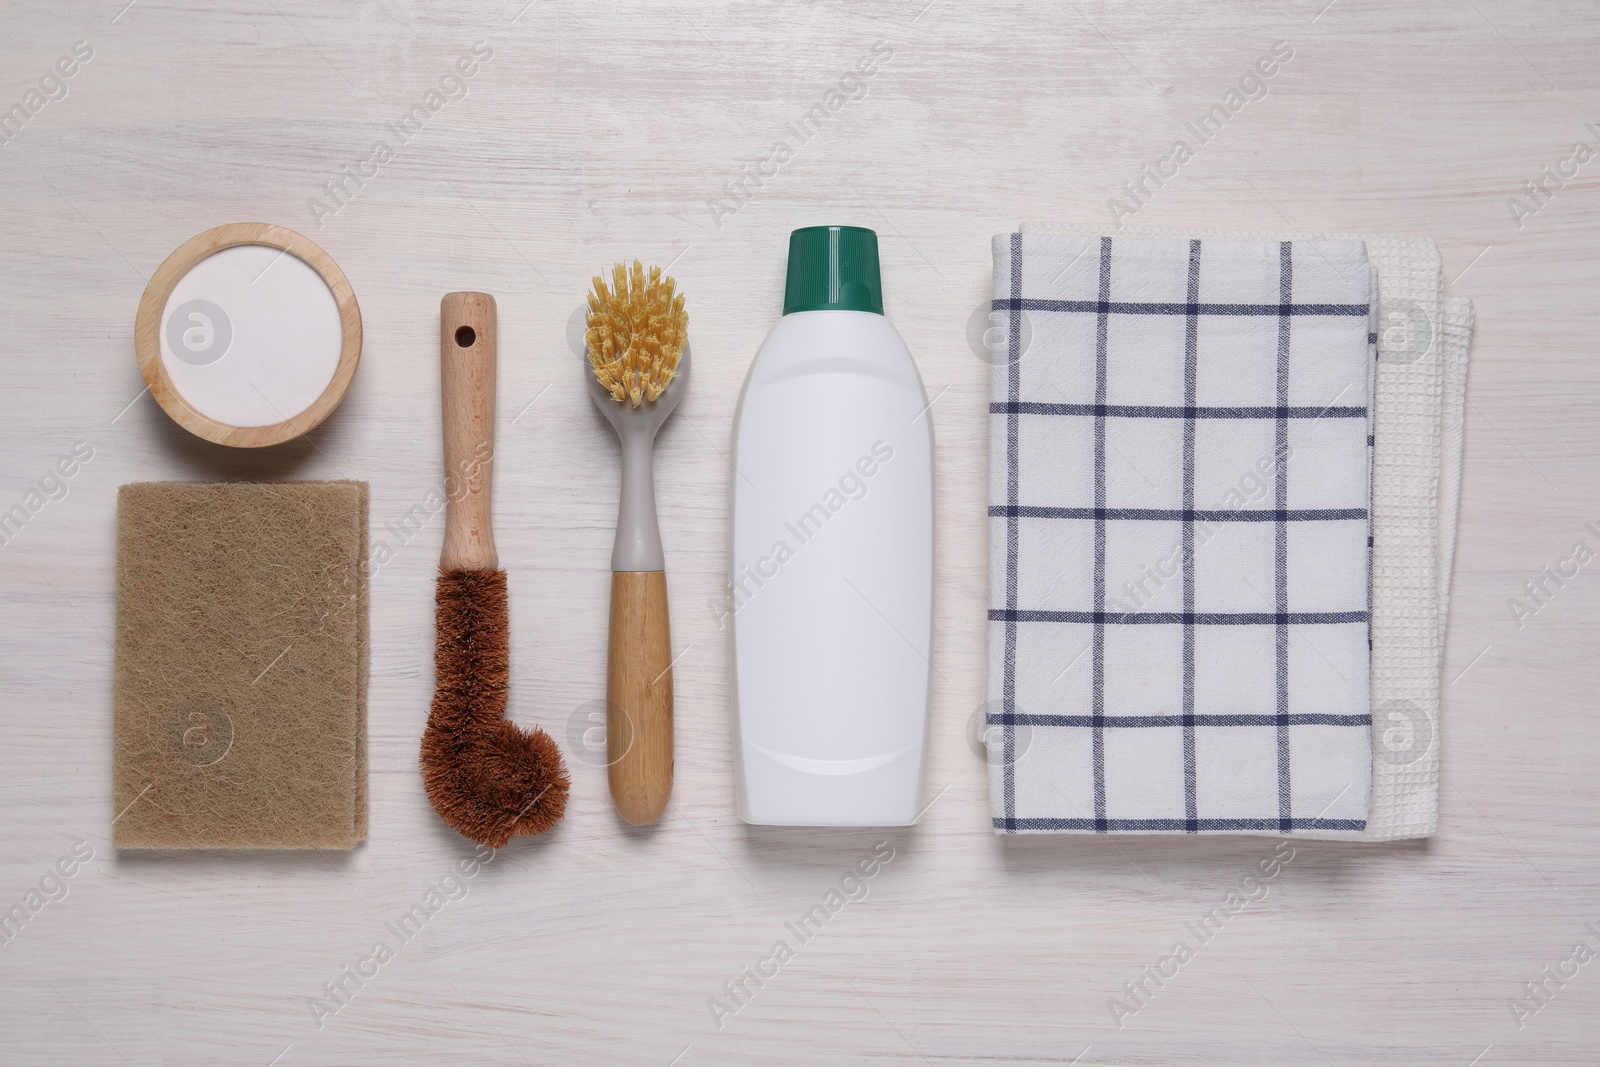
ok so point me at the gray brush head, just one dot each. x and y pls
(638, 543)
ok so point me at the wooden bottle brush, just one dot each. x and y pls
(487, 777)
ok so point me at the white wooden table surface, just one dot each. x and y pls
(599, 132)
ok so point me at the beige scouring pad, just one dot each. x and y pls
(240, 680)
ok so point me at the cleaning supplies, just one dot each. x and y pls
(638, 368)
(239, 691)
(248, 335)
(487, 777)
(832, 573)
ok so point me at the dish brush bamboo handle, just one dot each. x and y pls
(467, 356)
(639, 696)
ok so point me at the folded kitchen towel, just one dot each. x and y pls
(1180, 506)
(1424, 339)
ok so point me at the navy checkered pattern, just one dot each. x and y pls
(1180, 523)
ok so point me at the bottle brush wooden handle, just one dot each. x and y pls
(467, 364)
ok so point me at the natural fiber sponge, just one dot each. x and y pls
(240, 681)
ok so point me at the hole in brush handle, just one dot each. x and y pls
(467, 392)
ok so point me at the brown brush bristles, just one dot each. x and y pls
(486, 776)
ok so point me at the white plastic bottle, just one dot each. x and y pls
(831, 597)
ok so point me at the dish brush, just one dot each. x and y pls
(638, 368)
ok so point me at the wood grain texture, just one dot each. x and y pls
(147, 333)
(597, 134)
(639, 696)
(468, 369)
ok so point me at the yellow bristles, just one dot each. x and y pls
(636, 333)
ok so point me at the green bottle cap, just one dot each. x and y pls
(833, 268)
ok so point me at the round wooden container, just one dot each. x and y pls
(248, 335)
